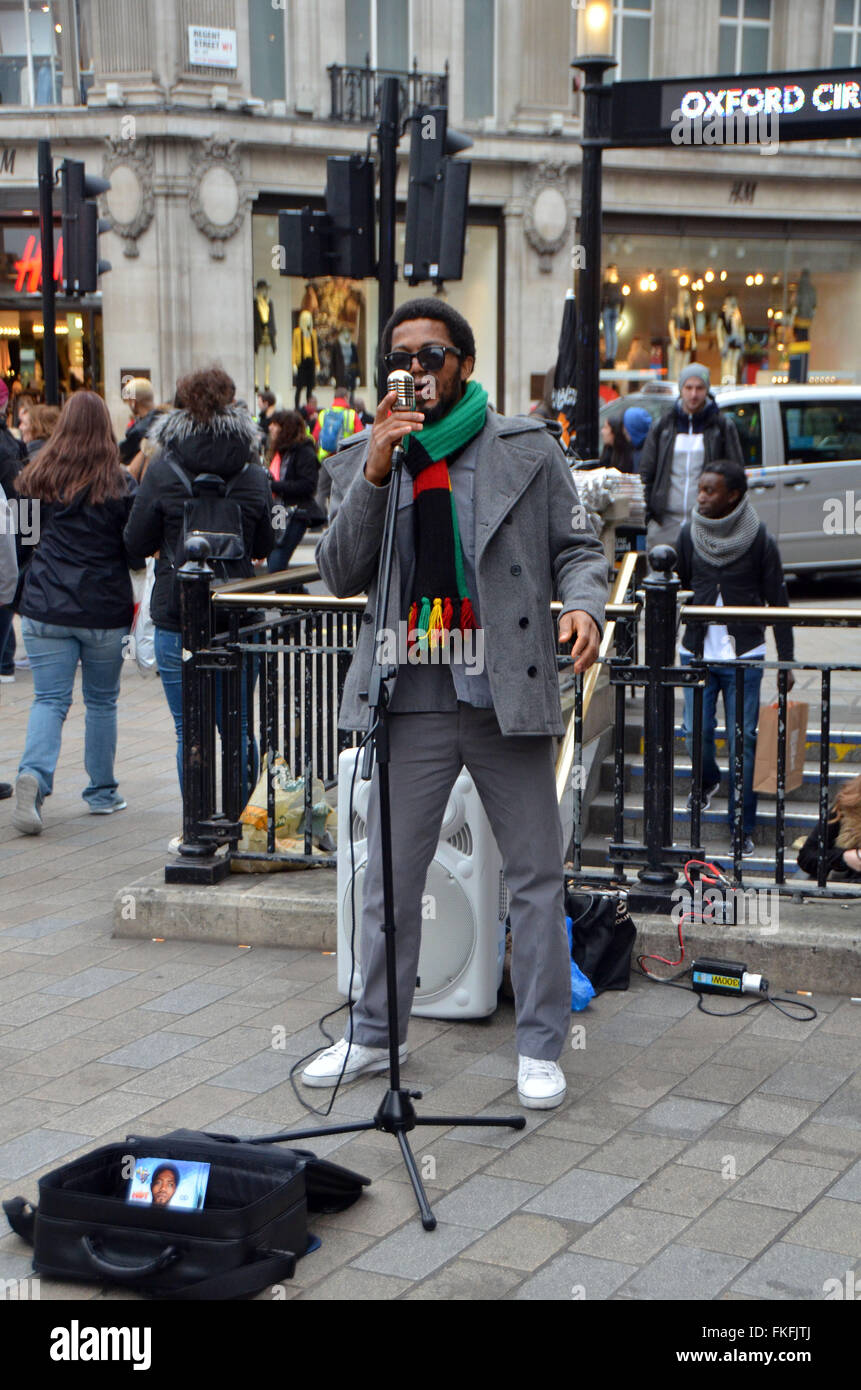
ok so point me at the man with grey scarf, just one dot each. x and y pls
(727, 557)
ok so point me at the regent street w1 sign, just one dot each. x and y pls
(820, 105)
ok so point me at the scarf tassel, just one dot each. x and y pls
(467, 617)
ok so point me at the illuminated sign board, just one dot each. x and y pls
(28, 267)
(825, 104)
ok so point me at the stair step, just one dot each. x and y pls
(635, 772)
(797, 822)
(594, 852)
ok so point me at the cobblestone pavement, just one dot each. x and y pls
(694, 1157)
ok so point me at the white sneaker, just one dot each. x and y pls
(28, 804)
(540, 1085)
(326, 1069)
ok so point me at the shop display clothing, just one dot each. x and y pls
(265, 335)
(305, 356)
(730, 340)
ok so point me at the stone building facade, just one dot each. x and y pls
(202, 151)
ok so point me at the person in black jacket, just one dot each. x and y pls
(842, 838)
(208, 433)
(294, 468)
(692, 433)
(727, 557)
(13, 455)
(76, 603)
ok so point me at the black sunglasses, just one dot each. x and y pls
(431, 358)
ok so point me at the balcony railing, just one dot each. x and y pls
(356, 91)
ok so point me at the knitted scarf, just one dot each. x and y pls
(721, 540)
(440, 597)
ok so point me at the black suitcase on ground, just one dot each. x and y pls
(248, 1235)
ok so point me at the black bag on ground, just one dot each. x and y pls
(248, 1235)
(603, 936)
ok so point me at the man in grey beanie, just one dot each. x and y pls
(689, 435)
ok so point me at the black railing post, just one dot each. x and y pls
(198, 704)
(661, 586)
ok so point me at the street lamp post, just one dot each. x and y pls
(594, 41)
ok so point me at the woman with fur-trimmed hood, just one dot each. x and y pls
(208, 432)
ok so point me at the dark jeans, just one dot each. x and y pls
(721, 680)
(286, 543)
(168, 656)
(7, 641)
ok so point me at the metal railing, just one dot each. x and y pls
(355, 91)
(278, 662)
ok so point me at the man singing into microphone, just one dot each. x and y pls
(489, 530)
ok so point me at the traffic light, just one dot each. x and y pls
(350, 204)
(431, 141)
(451, 201)
(81, 228)
(341, 240)
(304, 238)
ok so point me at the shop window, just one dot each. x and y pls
(632, 40)
(745, 33)
(821, 431)
(748, 423)
(31, 69)
(847, 33)
(379, 29)
(479, 58)
(266, 32)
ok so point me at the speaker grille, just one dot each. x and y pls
(462, 841)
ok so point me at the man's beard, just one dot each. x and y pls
(443, 406)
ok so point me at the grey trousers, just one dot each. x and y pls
(516, 782)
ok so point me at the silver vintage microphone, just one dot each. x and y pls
(404, 384)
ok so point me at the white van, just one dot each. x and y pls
(802, 448)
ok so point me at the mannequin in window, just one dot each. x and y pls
(803, 309)
(345, 361)
(611, 309)
(682, 333)
(730, 339)
(306, 357)
(264, 334)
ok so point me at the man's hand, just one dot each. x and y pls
(388, 429)
(579, 625)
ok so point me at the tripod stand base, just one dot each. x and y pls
(396, 1115)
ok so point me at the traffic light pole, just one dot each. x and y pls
(388, 137)
(50, 368)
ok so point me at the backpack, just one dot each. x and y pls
(210, 512)
(332, 429)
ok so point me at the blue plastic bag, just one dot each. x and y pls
(581, 986)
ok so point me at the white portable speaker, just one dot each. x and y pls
(464, 904)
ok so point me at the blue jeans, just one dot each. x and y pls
(285, 544)
(168, 658)
(54, 654)
(722, 679)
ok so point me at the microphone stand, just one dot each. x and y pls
(396, 1113)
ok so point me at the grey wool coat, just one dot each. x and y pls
(531, 545)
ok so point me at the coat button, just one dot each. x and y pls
(515, 569)
(524, 622)
(366, 618)
(532, 671)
